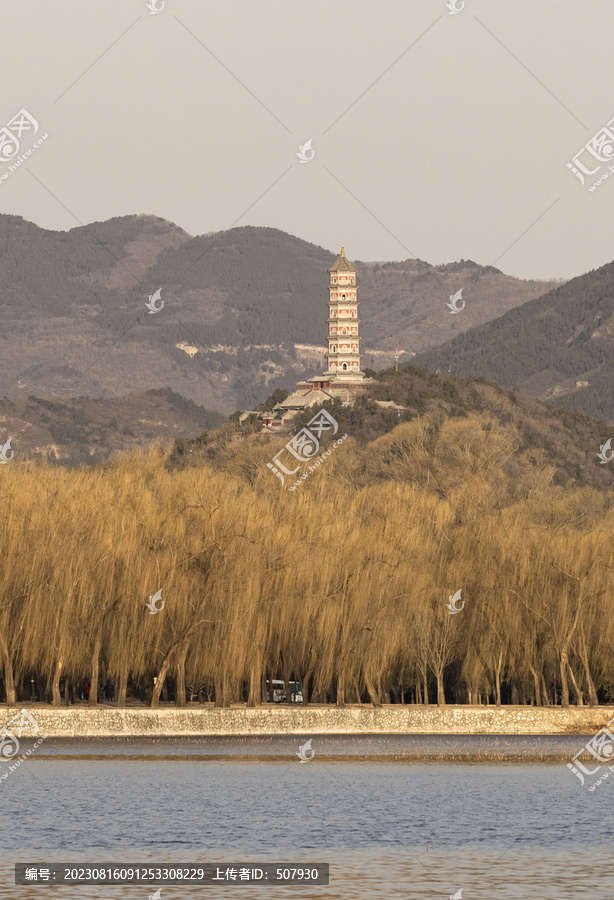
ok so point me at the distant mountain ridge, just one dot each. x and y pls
(236, 305)
(81, 430)
(558, 348)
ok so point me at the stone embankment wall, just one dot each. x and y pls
(107, 721)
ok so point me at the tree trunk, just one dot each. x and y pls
(372, 692)
(180, 699)
(123, 686)
(9, 683)
(55, 684)
(426, 686)
(475, 691)
(380, 693)
(592, 693)
(221, 690)
(340, 690)
(441, 697)
(577, 691)
(418, 691)
(498, 679)
(305, 685)
(564, 686)
(155, 698)
(67, 691)
(254, 686)
(538, 701)
(545, 699)
(94, 678)
(287, 689)
(270, 674)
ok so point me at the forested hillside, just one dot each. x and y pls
(559, 348)
(544, 436)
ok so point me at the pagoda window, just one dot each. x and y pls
(344, 366)
(343, 296)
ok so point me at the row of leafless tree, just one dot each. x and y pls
(342, 584)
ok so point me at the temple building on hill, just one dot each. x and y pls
(343, 378)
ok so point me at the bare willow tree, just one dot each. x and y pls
(342, 585)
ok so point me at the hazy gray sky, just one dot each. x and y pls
(439, 135)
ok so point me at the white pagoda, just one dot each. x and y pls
(343, 377)
(343, 341)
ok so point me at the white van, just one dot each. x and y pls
(279, 691)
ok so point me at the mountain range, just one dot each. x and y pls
(558, 348)
(83, 430)
(244, 311)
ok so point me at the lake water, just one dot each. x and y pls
(496, 817)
